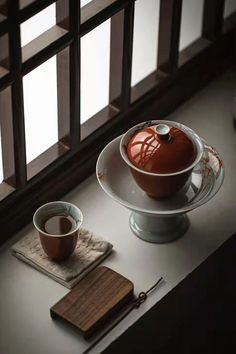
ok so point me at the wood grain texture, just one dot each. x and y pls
(42, 41)
(96, 298)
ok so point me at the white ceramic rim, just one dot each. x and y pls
(196, 140)
(53, 203)
(168, 213)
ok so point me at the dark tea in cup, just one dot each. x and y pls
(58, 224)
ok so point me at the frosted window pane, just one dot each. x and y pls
(38, 24)
(230, 7)
(95, 67)
(40, 104)
(146, 23)
(191, 22)
(84, 2)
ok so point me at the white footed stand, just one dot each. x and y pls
(158, 229)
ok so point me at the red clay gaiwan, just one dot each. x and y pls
(161, 156)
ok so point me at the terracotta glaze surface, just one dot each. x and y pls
(58, 248)
(161, 153)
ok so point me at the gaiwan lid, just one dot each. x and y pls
(161, 149)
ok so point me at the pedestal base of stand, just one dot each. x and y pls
(158, 229)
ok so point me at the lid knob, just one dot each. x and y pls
(163, 131)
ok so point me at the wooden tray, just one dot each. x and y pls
(93, 300)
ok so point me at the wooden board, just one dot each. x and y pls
(93, 300)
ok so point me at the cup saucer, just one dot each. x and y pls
(117, 182)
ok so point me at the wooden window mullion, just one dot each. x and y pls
(29, 8)
(68, 76)
(63, 78)
(4, 54)
(127, 55)
(169, 34)
(75, 59)
(116, 56)
(7, 136)
(63, 96)
(96, 12)
(17, 96)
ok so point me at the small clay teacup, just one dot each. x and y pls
(58, 224)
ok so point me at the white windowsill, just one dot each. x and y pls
(26, 295)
